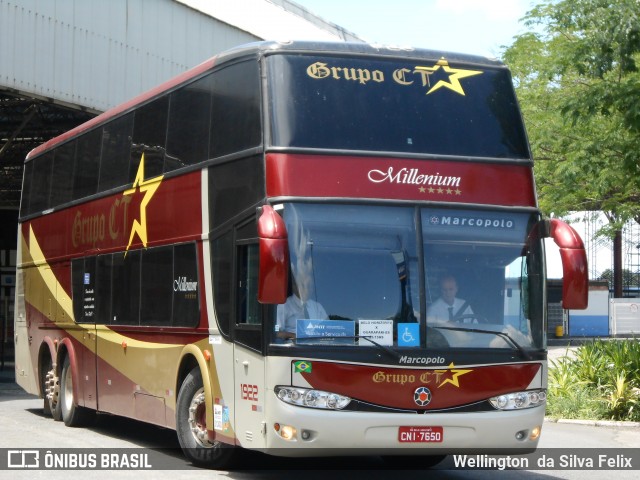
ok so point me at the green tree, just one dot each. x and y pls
(577, 79)
(629, 278)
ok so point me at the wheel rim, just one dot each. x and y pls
(198, 419)
(52, 389)
(68, 390)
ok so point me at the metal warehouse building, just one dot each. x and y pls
(64, 61)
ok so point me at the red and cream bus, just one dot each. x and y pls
(250, 254)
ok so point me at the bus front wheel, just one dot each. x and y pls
(191, 426)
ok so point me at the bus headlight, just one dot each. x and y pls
(305, 397)
(519, 400)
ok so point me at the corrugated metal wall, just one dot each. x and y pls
(99, 53)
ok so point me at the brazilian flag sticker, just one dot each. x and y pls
(302, 367)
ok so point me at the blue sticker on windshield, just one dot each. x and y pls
(408, 335)
(328, 329)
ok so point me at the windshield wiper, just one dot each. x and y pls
(386, 349)
(507, 338)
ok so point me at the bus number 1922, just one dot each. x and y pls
(249, 392)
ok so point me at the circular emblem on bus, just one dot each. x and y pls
(422, 396)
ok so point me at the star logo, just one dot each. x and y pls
(148, 187)
(455, 75)
(455, 373)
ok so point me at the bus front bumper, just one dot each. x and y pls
(297, 431)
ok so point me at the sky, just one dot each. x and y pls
(479, 27)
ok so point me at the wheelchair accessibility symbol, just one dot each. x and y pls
(408, 335)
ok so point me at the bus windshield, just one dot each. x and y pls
(367, 275)
(351, 103)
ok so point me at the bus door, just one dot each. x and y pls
(26, 374)
(58, 311)
(84, 329)
(249, 361)
(250, 397)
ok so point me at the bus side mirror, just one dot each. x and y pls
(575, 283)
(273, 276)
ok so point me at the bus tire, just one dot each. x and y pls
(191, 426)
(72, 414)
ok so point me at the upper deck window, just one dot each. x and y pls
(394, 105)
(213, 116)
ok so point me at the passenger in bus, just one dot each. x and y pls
(297, 307)
(450, 308)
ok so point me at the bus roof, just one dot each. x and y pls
(354, 48)
(265, 48)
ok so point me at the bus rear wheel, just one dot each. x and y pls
(73, 415)
(191, 426)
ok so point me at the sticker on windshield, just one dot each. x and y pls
(379, 331)
(408, 335)
(325, 329)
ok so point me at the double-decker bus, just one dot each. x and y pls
(252, 254)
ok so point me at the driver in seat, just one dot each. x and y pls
(449, 308)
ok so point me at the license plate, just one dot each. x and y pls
(420, 434)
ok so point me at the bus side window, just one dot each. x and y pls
(125, 303)
(116, 149)
(189, 117)
(87, 165)
(41, 183)
(157, 287)
(149, 137)
(26, 189)
(229, 193)
(102, 289)
(248, 306)
(62, 176)
(248, 312)
(235, 113)
(221, 257)
(186, 286)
